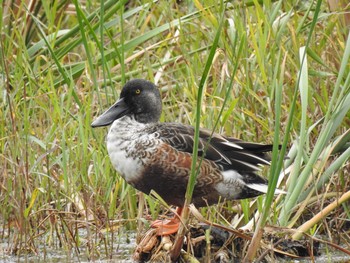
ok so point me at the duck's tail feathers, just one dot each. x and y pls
(263, 188)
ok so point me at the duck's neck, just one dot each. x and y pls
(125, 128)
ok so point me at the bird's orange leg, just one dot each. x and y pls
(168, 226)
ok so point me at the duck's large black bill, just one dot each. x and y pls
(118, 110)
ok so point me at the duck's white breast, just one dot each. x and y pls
(123, 144)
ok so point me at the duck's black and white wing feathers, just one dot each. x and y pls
(229, 153)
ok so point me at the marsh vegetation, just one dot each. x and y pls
(265, 71)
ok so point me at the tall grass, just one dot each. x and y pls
(280, 68)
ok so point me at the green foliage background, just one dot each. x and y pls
(281, 67)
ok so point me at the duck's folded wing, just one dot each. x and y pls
(230, 153)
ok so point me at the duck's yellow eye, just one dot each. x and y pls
(137, 92)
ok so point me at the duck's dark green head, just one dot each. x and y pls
(139, 98)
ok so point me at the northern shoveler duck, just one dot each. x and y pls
(151, 155)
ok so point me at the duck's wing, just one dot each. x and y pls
(229, 153)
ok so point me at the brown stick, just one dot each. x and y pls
(322, 214)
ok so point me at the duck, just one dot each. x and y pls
(156, 156)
